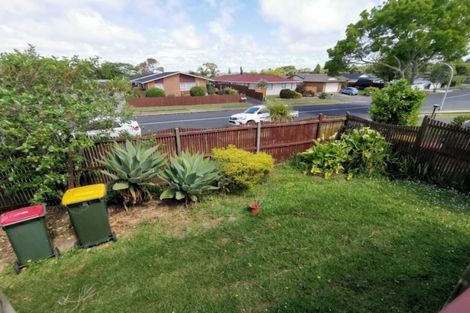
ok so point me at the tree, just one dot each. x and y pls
(440, 74)
(262, 84)
(287, 70)
(149, 66)
(46, 107)
(404, 35)
(112, 70)
(229, 71)
(397, 104)
(241, 70)
(317, 69)
(208, 70)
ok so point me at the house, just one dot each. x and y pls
(274, 84)
(173, 83)
(319, 82)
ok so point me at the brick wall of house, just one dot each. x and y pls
(171, 85)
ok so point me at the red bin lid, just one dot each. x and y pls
(21, 215)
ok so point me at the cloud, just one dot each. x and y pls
(187, 37)
(311, 25)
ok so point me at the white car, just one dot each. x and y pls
(119, 127)
(253, 115)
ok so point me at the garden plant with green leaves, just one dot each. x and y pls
(189, 176)
(46, 107)
(133, 169)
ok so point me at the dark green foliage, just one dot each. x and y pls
(46, 107)
(289, 94)
(198, 91)
(459, 120)
(397, 104)
(229, 91)
(133, 169)
(369, 91)
(155, 92)
(324, 95)
(211, 89)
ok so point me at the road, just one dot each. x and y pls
(457, 100)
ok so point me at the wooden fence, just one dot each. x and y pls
(443, 149)
(183, 100)
(281, 140)
(243, 90)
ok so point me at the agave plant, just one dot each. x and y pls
(132, 169)
(189, 176)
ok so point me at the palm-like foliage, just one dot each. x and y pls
(189, 176)
(132, 169)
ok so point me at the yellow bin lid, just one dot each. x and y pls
(85, 193)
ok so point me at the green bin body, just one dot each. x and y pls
(27, 232)
(88, 214)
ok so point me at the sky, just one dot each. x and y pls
(181, 34)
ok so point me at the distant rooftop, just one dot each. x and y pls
(253, 78)
(319, 78)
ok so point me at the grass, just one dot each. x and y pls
(143, 111)
(366, 245)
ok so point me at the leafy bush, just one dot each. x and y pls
(241, 168)
(304, 92)
(458, 80)
(279, 112)
(132, 170)
(289, 94)
(368, 91)
(324, 158)
(460, 119)
(188, 177)
(324, 95)
(359, 151)
(368, 151)
(46, 105)
(230, 91)
(262, 84)
(211, 89)
(155, 92)
(198, 91)
(397, 104)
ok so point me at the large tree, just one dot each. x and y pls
(404, 35)
(208, 70)
(149, 66)
(113, 70)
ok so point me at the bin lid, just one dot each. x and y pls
(22, 215)
(85, 193)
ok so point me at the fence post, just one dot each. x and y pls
(178, 141)
(320, 119)
(420, 135)
(258, 137)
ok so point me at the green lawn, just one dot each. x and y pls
(317, 246)
(176, 109)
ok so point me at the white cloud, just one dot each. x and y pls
(312, 25)
(187, 37)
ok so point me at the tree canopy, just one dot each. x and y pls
(404, 35)
(113, 70)
(149, 66)
(208, 69)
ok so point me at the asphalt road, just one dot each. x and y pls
(457, 100)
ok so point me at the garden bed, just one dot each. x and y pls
(366, 245)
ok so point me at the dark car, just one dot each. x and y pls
(362, 83)
(349, 91)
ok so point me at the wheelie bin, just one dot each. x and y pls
(26, 229)
(88, 214)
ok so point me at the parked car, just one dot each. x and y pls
(118, 128)
(362, 83)
(349, 91)
(253, 115)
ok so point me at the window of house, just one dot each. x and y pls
(284, 86)
(187, 86)
(270, 86)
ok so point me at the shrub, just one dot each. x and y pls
(242, 169)
(230, 91)
(324, 95)
(460, 119)
(211, 89)
(304, 92)
(457, 80)
(132, 170)
(198, 91)
(368, 91)
(155, 92)
(289, 94)
(189, 176)
(359, 151)
(262, 84)
(397, 104)
(280, 112)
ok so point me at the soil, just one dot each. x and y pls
(123, 223)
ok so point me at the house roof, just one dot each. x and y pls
(253, 78)
(319, 78)
(152, 77)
